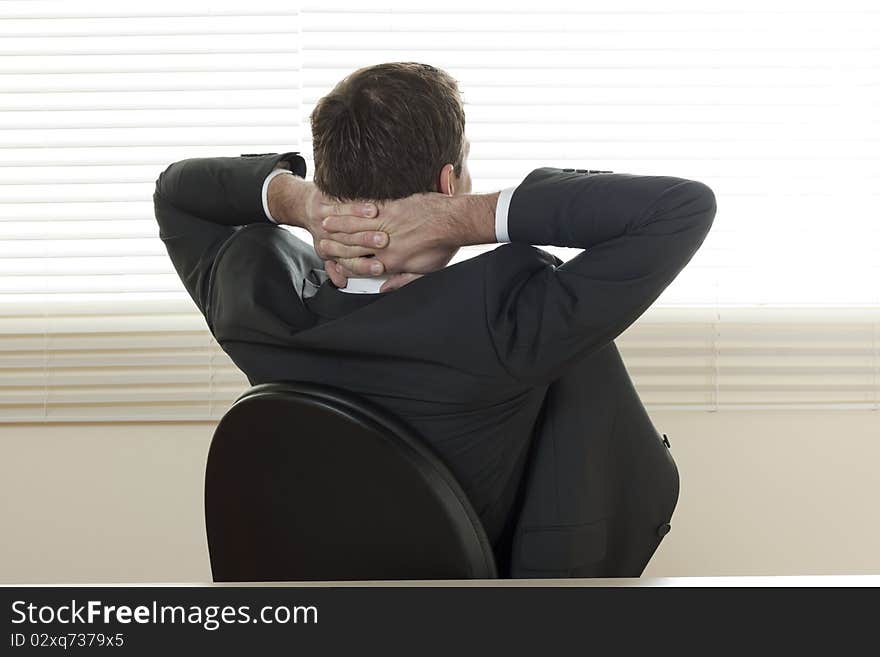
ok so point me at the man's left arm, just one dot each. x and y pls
(198, 202)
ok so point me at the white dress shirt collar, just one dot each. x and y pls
(369, 285)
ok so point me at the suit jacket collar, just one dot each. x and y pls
(324, 299)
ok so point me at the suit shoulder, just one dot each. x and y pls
(268, 245)
(511, 266)
(525, 256)
(256, 285)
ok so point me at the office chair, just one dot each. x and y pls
(306, 482)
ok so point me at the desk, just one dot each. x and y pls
(805, 580)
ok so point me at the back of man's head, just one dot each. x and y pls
(386, 131)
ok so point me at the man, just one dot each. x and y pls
(504, 363)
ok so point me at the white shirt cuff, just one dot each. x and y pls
(501, 210)
(275, 172)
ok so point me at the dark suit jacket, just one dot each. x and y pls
(464, 355)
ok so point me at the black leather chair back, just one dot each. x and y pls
(305, 482)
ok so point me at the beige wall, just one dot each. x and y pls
(763, 493)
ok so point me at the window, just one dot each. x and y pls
(773, 104)
(99, 98)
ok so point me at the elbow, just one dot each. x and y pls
(169, 181)
(157, 191)
(703, 203)
(163, 199)
(688, 207)
(161, 189)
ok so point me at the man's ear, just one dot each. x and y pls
(447, 180)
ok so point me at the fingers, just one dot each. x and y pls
(340, 273)
(332, 250)
(397, 281)
(361, 266)
(347, 273)
(354, 209)
(366, 238)
(335, 273)
(349, 224)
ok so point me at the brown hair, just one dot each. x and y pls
(385, 131)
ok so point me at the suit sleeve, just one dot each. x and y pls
(637, 232)
(199, 202)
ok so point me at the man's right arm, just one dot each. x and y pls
(637, 232)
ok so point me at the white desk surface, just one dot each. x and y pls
(805, 580)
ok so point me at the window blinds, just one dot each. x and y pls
(98, 98)
(773, 104)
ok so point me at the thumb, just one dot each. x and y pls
(396, 281)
